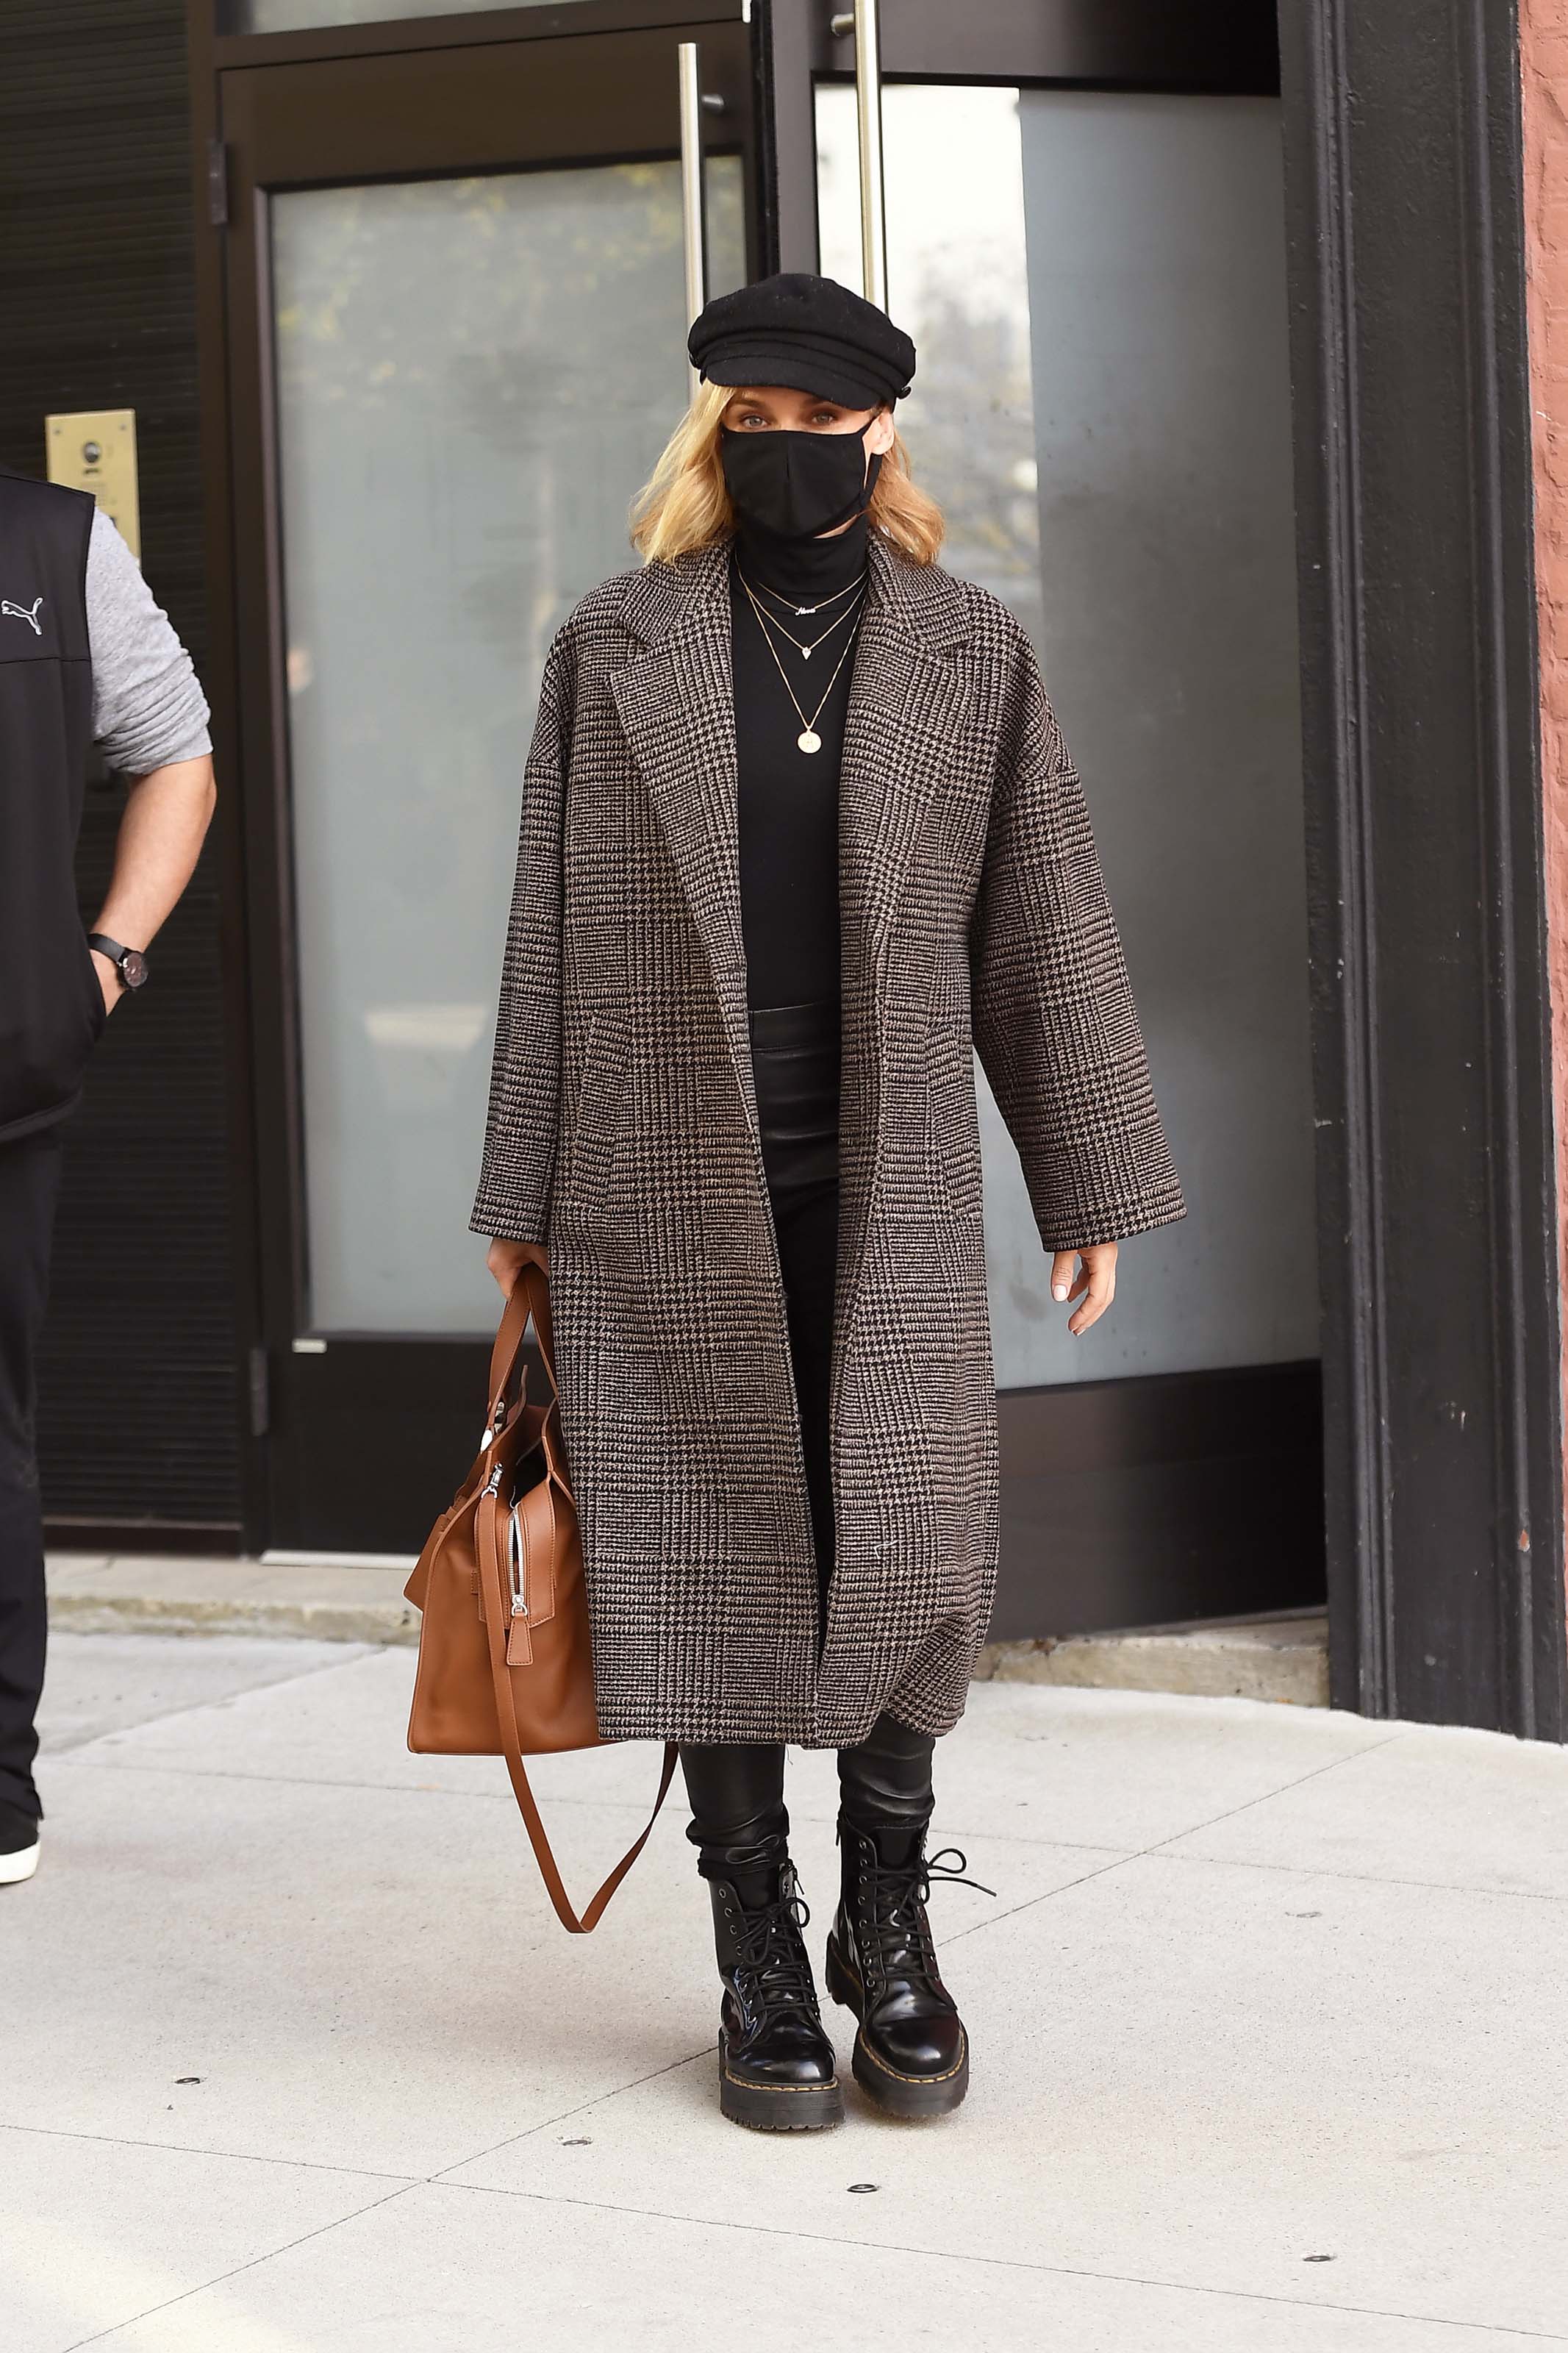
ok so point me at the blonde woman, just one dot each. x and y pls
(798, 830)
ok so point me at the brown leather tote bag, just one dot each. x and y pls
(505, 1666)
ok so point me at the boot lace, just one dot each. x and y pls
(896, 1925)
(771, 1950)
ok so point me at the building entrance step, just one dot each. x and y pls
(348, 1598)
(332, 1598)
(1278, 1657)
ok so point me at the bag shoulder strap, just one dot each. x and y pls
(489, 1553)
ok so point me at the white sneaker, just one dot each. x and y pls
(18, 1846)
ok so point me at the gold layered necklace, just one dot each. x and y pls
(809, 740)
(803, 646)
(822, 603)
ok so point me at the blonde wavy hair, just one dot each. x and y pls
(686, 504)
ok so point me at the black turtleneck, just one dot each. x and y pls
(788, 799)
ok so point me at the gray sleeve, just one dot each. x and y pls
(147, 708)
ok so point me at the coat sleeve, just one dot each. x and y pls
(1053, 1018)
(518, 1171)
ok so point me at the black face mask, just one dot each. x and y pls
(798, 485)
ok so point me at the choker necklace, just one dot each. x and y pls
(808, 739)
(802, 648)
(805, 611)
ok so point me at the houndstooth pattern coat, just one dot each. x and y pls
(622, 1133)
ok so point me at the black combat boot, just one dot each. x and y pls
(777, 2070)
(776, 2067)
(911, 2052)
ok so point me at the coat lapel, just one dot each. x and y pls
(676, 709)
(908, 702)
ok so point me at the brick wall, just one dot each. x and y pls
(1543, 54)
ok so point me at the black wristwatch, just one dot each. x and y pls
(129, 963)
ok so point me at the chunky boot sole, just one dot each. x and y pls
(910, 2096)
(777, 2107)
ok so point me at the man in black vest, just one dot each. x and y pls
(86, 657)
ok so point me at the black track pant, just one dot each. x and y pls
(29, 1184)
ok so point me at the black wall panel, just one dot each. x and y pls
(1436, 1183)
(138, 1418)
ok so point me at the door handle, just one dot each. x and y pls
(693, 215)
(862, 22)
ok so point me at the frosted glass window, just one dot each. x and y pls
(474, 377)
(958, 273)
(1096, 291)
(1096, 285)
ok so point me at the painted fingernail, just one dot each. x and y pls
(1058, 1290)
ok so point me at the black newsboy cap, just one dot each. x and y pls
(808, 332)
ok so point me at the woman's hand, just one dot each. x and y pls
(507, 1260)
(1096, 1274)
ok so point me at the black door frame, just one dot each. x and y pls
(1437, 1193)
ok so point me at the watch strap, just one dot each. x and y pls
(131, 963)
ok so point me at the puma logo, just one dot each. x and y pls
(29, 613)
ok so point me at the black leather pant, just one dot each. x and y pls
(739, 1821)
(796, 1063)
(736, 1788)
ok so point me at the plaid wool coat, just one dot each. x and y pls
(622, 1133)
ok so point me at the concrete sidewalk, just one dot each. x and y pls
(1267, 2015)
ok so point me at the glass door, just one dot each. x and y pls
(1087, 242)
(457, 303)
